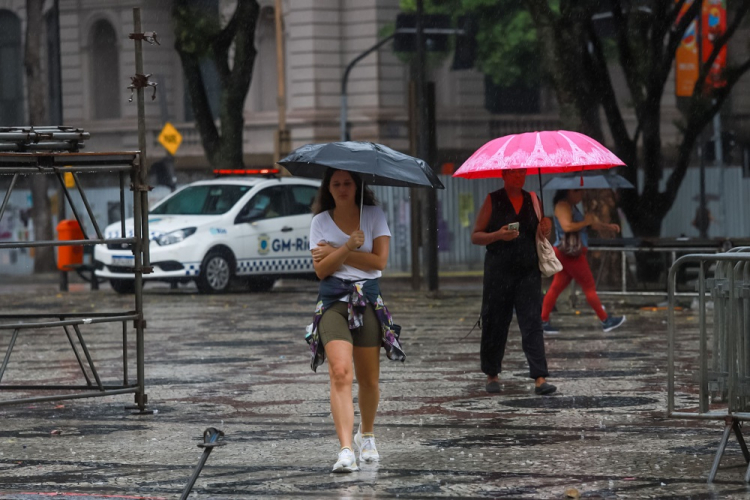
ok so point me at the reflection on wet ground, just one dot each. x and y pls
(238, 362)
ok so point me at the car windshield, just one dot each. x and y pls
(202, 200)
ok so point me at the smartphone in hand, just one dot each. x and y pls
(513, 226)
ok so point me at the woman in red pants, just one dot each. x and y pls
(571, 225)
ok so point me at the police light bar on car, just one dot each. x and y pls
(245, 171)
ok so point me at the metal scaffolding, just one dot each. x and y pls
(74, 325)
(54, 151)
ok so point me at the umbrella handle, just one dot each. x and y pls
(361, 203)
(541, 192)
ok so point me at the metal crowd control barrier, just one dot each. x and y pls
(56, 164)
(723, 371)
(669, 248)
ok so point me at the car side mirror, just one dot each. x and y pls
(253, 215)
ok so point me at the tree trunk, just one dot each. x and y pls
(224, 146)
(646, 39)
(44, 257)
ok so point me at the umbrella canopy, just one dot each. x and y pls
(377, 164)
(608, 181)
(548, 152)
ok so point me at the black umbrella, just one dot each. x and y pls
(377, 164)
(607, 181)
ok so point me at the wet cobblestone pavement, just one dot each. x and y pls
(238, 362)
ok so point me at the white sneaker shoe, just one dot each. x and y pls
(366, 446)
(347, 461)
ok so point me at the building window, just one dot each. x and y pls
(11, 70)
(54, 76)
(105, 76)
(518, 99)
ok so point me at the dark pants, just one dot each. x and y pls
(505, 288)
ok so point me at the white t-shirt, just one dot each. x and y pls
(372, 223)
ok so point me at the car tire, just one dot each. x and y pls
(260, 284)
(124, 287)
(216, 273)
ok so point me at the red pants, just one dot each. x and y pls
(574, 268)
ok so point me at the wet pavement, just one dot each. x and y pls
(238, 362)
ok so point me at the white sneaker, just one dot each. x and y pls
(366, 446)
(347, 461)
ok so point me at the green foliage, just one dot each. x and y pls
(194, 30)
(508, 50)
(507, 46)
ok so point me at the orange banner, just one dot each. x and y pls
(714, 24)
(686, 57)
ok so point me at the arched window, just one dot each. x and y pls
(11, 70)
(54, 75)
(105, 74)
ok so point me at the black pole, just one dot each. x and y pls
(541, 192)
(344, 134)
(423, 150)
(702, 224)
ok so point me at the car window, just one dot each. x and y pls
(302, 199)
(202, 200)
(267, 204)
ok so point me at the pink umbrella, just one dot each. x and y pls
(547, 151)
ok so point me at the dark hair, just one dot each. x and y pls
(561, 194)
(324, 200)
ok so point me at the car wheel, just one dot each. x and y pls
(216, 273)
(123, 286)
(261, 284)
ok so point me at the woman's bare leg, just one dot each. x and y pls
(339, 355)
(367, 367)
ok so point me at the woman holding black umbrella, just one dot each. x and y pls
(349, 240)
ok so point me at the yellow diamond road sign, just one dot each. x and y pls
(170, 138)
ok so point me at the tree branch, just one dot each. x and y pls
(626, 55)
(603, 82)
(719, 44)
(678, 30)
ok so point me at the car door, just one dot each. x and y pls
(300, 201)
(265, 233)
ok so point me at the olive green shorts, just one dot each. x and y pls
(334, 325)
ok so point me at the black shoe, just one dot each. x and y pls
(545, 388)
(612, 322)
(492, 387)
(548, 329)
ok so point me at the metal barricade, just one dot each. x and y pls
(669, 249)
(723, 370)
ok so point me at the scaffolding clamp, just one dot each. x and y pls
(143, 188)
(149, 36)
(140, 82)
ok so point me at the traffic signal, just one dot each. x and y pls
(465, 54)
(406, 41)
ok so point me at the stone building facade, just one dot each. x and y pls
(321, 37)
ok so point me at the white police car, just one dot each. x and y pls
(211, 231)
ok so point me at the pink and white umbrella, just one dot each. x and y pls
(546, 152)
(549, 152)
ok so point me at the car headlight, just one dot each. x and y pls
(175, 236)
